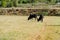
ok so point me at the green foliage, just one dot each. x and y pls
(4, 3)
(26, 1)
(11, 3)
(53, 1)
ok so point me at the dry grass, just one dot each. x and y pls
(19, 28)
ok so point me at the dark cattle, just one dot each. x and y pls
(40, 18)
(31, 16)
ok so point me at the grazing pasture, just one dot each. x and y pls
(19, 28)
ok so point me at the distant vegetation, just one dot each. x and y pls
(28, 4)
(14, 3)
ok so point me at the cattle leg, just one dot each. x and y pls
(41, 20)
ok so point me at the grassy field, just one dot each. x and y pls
(19, 28)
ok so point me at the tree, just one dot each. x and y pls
(4, 3)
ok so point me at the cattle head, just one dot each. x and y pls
(40, 18)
